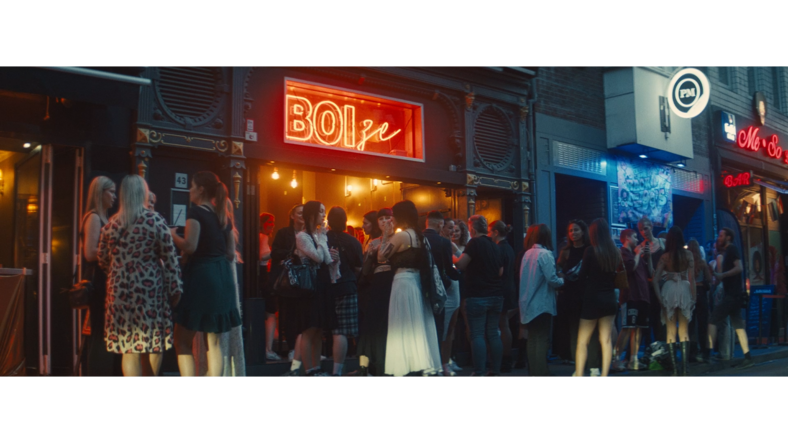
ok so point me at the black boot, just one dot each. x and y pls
(672, 351)
(506, 364)
(684, 358)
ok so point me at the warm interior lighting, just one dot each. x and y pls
(26, 145)
(375, 181)
(398, 230)
(349, 188)
(294, 182)
(2, 182)
(275, 175)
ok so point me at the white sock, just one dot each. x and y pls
(295, 365)
(338, 368)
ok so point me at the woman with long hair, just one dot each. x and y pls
(539, 280)
(101, 197)
(208, 247)
(412, 339)
(677, 295)
(570, 296)
(316, 313)
(137, 253)
(376, 296)
(267, 223)
(284, 244)
(452, 309)
(600, 304)
(699, 324)
(371, 228)
(499, 231)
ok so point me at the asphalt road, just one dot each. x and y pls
(771, 368)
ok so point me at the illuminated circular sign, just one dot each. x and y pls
(688, 92)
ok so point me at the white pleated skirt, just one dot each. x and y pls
(676, 296)
(412, 340)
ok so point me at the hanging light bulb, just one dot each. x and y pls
(294, 182)
(275, 175)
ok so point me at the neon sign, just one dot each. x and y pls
(325, 117)
(749, 139)
(732, 181)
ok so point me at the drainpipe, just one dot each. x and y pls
(532, 148)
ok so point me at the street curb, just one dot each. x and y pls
(703, 368)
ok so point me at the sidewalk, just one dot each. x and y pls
(772, 352)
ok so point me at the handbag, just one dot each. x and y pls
(574, 273)
(298, 277)
(80, 294)
(622, 282)
(436, 291)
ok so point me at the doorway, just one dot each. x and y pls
(39, 214)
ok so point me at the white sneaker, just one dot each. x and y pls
(454, 366)
(273, 356)
(290, 355)
(595, 372)
(322, 357)
(448, 371)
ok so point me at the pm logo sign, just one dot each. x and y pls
(688, 92)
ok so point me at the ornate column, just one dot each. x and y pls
(141, 155)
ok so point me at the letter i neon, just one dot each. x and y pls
(349, 139)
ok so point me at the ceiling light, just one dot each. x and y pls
(294, 182)
(680, 164)
(643, 156)
(27, 145)
(275, 175)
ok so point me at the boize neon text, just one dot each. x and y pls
(327, 123)
(748, 139)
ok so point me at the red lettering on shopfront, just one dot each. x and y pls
(742, 179)
(749, 139)
(327, 124)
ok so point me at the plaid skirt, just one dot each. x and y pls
(346, 308)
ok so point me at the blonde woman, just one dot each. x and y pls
(137, 253)
(101, 197)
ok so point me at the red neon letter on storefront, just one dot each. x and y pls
(299, 111)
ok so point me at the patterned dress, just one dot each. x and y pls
(142, 276)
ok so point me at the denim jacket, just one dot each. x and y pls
(538, 281)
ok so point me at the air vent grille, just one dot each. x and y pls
(493, 139)
(578, 158)
(189, 92)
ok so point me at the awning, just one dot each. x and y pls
(104, 86)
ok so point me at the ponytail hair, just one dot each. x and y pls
(215, 190)
(502, 228)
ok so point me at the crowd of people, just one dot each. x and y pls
(157, 288)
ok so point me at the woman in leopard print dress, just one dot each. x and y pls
(143, 279)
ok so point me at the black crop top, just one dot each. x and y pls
(409, 258)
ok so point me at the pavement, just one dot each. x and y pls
(764, 360)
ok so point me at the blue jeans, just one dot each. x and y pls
(483, 315)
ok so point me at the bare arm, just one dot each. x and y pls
(658, 273)
(229, 239)
(463, 262)
(390, 245)
(91, 234)
(188, 243)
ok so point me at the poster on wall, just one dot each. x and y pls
(644, 189)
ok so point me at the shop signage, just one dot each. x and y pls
(729, 126)
(732, 181)
(333, 118)
(688, 92)
(750, 139)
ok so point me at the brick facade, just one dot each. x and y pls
(574, 94)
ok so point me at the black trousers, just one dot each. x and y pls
(658, 331)
(699, 325)
(538, 344)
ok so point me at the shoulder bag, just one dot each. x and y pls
(298, 277)
(436, 291)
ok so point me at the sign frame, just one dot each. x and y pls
(418, 123)
(674, 90)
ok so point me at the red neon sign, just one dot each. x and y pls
(317, 115)
(748, 139)
(742, 179)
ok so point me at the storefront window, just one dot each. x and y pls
(747, 204)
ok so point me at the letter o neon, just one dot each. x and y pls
(328, 122)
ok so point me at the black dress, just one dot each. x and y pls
(569, 302)
(100, 362)
(599, 298)
(374, 299)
